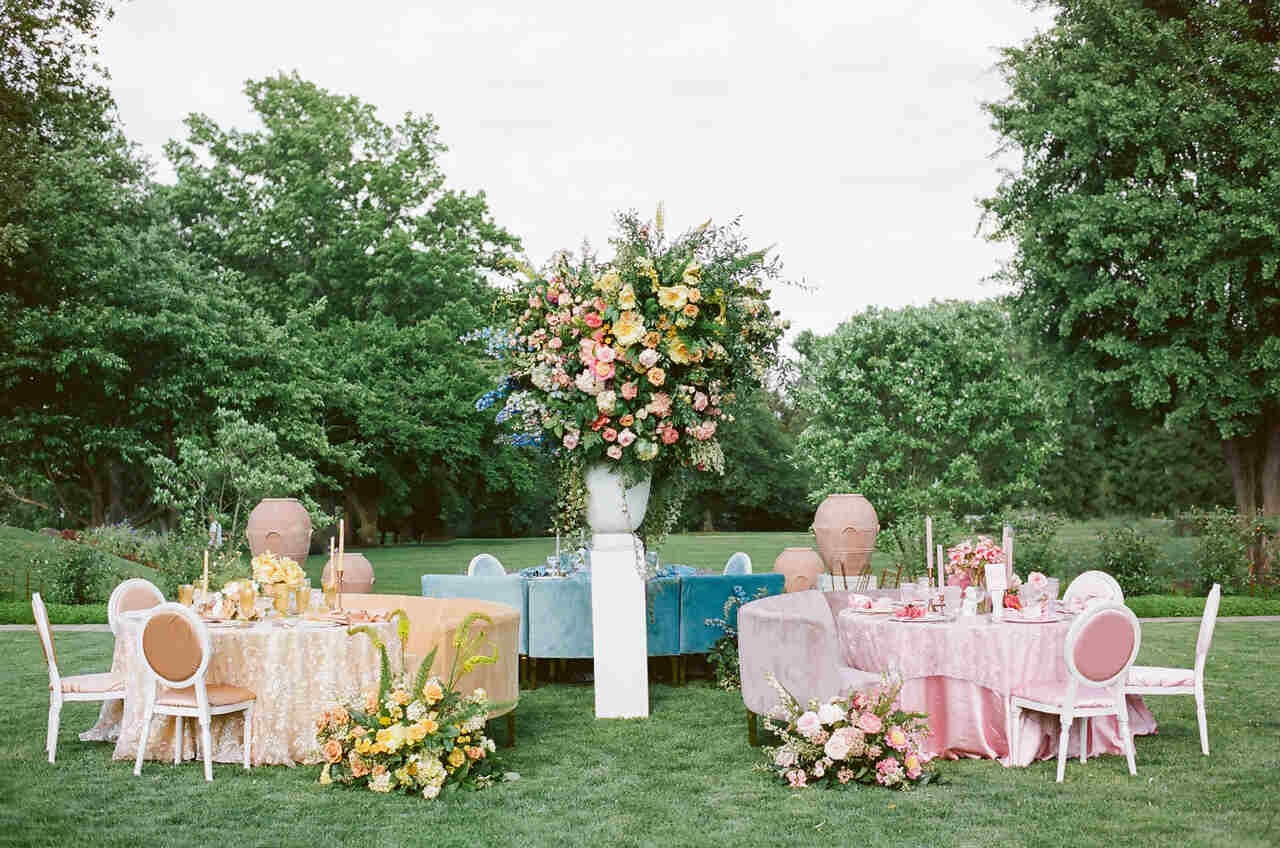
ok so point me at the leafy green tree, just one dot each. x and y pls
(1145, 215)
(328, 205)
(49, 86)
(924, 409)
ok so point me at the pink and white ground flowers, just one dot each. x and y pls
(864, 738)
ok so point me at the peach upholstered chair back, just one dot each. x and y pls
(132, 595)
(175, 645)
(1102, 643)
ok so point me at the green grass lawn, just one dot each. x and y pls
(681, 777)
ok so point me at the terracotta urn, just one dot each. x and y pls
(357, 573)
(846, 526)
(282, 526)
(801, 567)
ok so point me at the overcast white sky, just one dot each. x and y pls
(848, 134)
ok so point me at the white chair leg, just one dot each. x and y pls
(177, 739)
(1064, 735)
(51, 735)
(1015, 734)
(1084, 738)
(142, 740)
(206, 743)
(248, 721)
(1200, 717)
(1126, 738)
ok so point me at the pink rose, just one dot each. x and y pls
(699, 401)
(614, 452)
(630, 390)
(571, 440)
(837, 747)
(603, 370)
(626, 437)
(660, 405)
(896, 738)
(648, 357)
(604, 353)
(610, 434)
(555, 343)
(592, 319)
(870, 723)
(809, 724)
(669, 435)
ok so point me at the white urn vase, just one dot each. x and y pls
(618, 626)
(613, 508)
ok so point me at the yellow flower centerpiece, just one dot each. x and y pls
(278, 575)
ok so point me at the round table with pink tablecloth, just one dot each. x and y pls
(296, 668)
(963, 672)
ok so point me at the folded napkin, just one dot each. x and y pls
(857, 601)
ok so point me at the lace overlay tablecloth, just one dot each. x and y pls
(295, 671)
(962, 672)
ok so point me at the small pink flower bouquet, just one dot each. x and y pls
(863, 738)
(967, 562)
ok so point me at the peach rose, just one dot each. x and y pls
(332, 751)
(656, 376)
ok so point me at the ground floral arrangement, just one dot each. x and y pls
(864, 738)
(636, 362)
(420, 736)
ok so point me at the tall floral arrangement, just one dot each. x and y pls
(865, 737)
(418, 735)
(636, 361)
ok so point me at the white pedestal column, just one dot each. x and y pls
(618, 627)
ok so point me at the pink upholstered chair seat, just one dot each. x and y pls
(852, 678)
(84, 684)
(1153, 675)
(1056, 693)
(219, 695)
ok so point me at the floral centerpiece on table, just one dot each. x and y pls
(865, 737)
(271, 568)
(636, 361)
(967, 562)
(417, 735)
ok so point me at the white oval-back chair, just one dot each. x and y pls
(1155, 680)
(1092, 585)
(485, 565)
(1099, 650)
(739, 563)
(132, 595)
(175, 648)
(81, 687)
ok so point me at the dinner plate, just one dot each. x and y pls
(872, 611)
(1020, 620)
(926, 619)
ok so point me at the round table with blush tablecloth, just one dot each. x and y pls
(296, 669)
(963, 672)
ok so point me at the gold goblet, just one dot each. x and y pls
(186, 594)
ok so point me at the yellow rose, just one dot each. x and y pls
(456, 757)
(672, 297)
(433, 692)
(629, 328)
(627, 297)
(608, 281)
(679, 352)
(429, 725)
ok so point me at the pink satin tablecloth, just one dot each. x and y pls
(962, 674)
(295, 671)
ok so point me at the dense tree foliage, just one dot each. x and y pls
(328, 205)
(924, 408)
(1146, 213)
